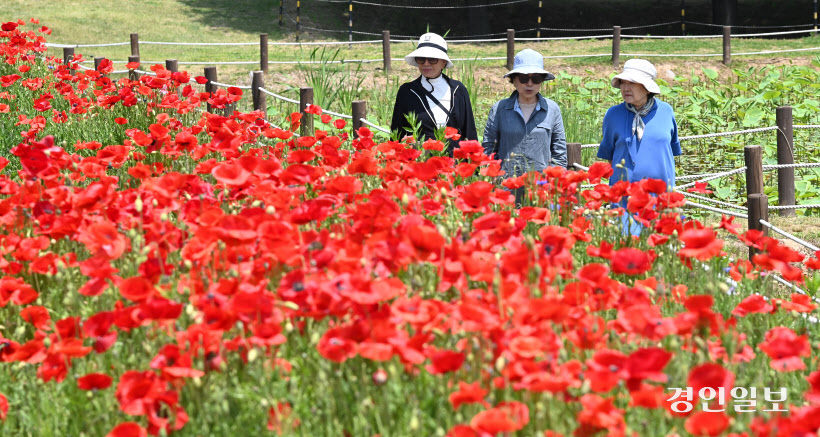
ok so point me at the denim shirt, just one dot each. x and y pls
(523, 147)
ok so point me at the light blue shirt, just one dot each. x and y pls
(527, 146)
(651, 157)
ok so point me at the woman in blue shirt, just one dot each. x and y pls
(526, 130)
(641, 133)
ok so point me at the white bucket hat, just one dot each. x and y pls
(639, 71)
(529, 61)
(431, 45)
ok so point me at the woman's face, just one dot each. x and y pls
(431, 68)
(528, 90)
(634, 93)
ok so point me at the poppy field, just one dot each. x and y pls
(170, 271)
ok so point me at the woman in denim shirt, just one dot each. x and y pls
(526, 130)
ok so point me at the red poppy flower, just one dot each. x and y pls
(4, 407)
(700, 187)
(656, 240)
(469, 394)
(800, 303)
(451, 133)
(599, 413)
(752, 304)
(136, 289)
(128, 429)
(506, 417)
(701, 244)
(94, 381)
(339, 123)
(37, 316)
(705, 423)
(231, 174)
(335, 347)
(786, 349)
(279, 417)
(710, 375)
(630, 261)
(444, 361)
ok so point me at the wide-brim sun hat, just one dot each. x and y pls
(529, 61)
(431, 45)
(639, 71)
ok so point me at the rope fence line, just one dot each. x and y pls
(375, 126)
(789, 26)
(714, 176)
(325, 111)
(695, 176)
(789, 236)
(277, 96)
(795, 288)
(487, 5)
(580, 166)
(717, 210)
(779, 207)
(801, 165)
(227, 85)
(716, 202)
(725, 134)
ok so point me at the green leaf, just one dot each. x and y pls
(710, 73)
(753, 116)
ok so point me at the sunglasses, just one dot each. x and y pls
(421, 60)
(535, 78)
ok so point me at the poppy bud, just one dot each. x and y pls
(379, 377)
(253, 354)
(414, 423)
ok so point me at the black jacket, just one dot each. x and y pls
(412, 98)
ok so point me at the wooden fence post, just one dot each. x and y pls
(510, 48)
(753, 157)
(306, 99)
(281, 11)
(785, 155)
(386, 50)
(259, 98)
(359, 112)
(758, 205)
(133, 75)
(210, 74)
(173, 66)
(135, 44)
(574, 155)
(263, 52)
(97, 62)
(727, 45)
(68, 56)
(616, 46)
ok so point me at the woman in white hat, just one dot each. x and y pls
(526, 130)
(437, 100)
(641, 133)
